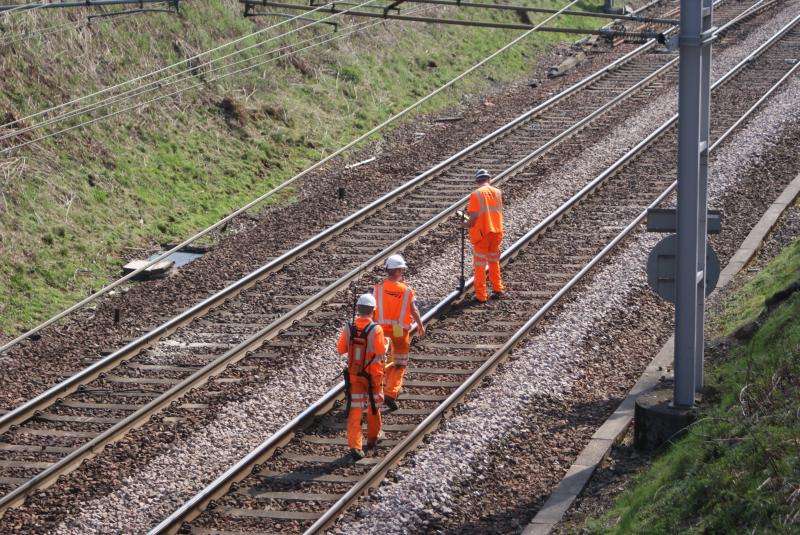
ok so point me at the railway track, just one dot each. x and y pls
(53, 433)
(301, 479)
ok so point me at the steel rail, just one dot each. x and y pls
(139, 417)
(377, 473)
(233, 355)
(236, 213)
(240, 470)
(200, 377)
(25, 411)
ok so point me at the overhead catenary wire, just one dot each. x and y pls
(164, 69)
(285, 184)
(19, 9)
(30, 34)
(162, 97)
(153, 85)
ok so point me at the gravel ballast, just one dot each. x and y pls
(435, 490)
(253, 239)
(155, 490)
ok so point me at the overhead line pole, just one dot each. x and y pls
(705, 96)
(694, 78)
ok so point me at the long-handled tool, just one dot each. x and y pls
(462, 281)
(346, 373)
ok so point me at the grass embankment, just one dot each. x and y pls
(70, 205)
(737, 470)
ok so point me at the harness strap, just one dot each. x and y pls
(348, 391)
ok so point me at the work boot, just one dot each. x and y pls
(498, 295)
(357, 455)
(391, 404)
(371, 445)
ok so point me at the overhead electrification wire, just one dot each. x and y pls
(167, 95)
(153, 85)
(167, 68)
(14, 10)
(26, 35)
(286, 183)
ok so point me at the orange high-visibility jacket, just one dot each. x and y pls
(393, 303)
(367, 358)
(487, 201)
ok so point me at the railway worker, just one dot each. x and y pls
(364, 344)
(396, 308)
(485, 224)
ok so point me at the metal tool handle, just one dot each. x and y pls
(462, 282)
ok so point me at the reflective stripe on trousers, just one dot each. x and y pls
(401, 360)
(487, 252)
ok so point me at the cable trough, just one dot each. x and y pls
(301, 478)
(55, 432)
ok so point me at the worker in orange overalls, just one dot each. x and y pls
(396, 308)
(485, 210)
(364, 343)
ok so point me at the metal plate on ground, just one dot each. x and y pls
(662, 268)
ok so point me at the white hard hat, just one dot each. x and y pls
(366, 300)
(480, 174)
(396, 262)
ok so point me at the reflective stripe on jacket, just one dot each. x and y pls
(393, 305)
(487, 202)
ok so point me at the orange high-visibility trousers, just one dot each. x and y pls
(359, 405)
(399, 350)
(486, 252)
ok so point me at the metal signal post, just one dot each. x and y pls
(693, 132)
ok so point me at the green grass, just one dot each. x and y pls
(748, 303)
(70, 206)
(738, 467)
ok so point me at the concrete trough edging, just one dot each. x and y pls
(614, 428)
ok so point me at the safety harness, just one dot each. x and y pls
(358, 345)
